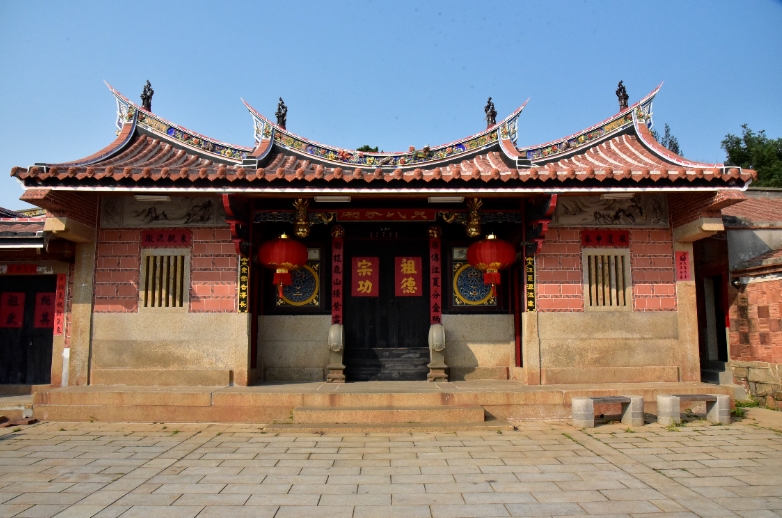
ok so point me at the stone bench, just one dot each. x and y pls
(584, 410)
(669, 408)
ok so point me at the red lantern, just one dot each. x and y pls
(490, 256)
(283, 255)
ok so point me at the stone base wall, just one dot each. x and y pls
(293, 347)
(762, 380)
(604, 347)
(170, 348)
(479, 346)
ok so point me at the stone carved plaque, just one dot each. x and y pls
(642, 210)
(127, 212)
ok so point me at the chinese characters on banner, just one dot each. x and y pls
(11, 309)
(605, 238)
(59, 305)
(683, 266)
(244, 285)
(337, 269)
(365, 275)
(44, 310)
(408, 277)
(387, 215)
(435, 285)
(166, 238)
(529, 272)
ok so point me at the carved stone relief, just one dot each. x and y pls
(127, 212)
(642, 210)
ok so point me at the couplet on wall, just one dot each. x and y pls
(407, 277)
(683, 272)
(366, 277)
(12, 309)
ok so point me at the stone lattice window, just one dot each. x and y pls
(165, 278)
(607, 280)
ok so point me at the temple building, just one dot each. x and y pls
(164, 259)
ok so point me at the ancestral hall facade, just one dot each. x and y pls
(158, 279)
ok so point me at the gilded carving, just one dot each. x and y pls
(302, 225)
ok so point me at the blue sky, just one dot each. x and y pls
(389, 74)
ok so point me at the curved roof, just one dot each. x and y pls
(151, 152)
(267, 132)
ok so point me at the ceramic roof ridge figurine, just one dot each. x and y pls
(621, 94)
(146, 96)
(281, 114)
(491, 114)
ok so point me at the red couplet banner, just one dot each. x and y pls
(683, 272)
(44, 310)
(11, 309)
(407, 277)
(435, 286)
(59, 303)
(337, 268)
(365, 276)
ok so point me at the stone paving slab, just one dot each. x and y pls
(111, 470)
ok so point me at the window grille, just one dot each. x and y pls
(607, 280)
(165, 278)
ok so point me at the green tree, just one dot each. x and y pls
(668, 141)
(367, 148)
(756, 151)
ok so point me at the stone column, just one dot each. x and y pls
(530, 347)
(688, 354)
(81, 314)
(242, 366)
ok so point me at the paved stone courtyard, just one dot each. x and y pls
(542, 469)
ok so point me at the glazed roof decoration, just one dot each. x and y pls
(155, 154)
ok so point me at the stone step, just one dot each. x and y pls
(16, 407)
(320, 428)
(386, 415)
(387, 364)
(275, 402)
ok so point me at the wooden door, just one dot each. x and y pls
(26, 336)
(386, 336)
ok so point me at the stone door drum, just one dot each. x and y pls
(386, 335)
(26, 330)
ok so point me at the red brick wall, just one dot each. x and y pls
(652, 263)
(118, 258)
(755, 333)
(213, 271)
(560, 272)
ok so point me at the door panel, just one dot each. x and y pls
(26, 351)
(386, 336)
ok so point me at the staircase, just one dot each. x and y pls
(388, 364)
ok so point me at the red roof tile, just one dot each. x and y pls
(754, 210)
